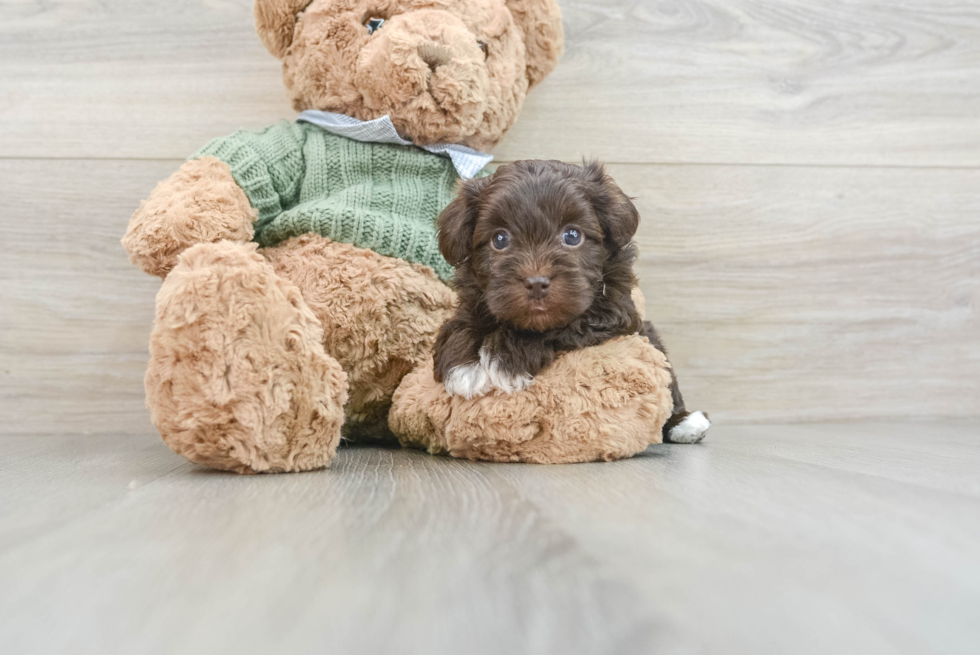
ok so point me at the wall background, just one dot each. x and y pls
(808, 176)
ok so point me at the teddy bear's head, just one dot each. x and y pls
(445, 71)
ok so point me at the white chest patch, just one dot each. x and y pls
(467, 381)
(478, 378)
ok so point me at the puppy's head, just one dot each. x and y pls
(533, 239)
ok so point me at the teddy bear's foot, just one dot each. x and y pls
(238, 378)
(687, 427)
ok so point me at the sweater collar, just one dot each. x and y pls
(468, 162)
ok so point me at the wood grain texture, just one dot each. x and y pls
(76, 315)
(812, 293)
(706, 81)
(843, 538)
(783, 293)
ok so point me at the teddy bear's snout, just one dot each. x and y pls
(434, 55)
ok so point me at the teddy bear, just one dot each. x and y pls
(302, 278)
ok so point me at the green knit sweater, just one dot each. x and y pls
(301, 178)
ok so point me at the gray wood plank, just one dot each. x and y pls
(766, 539)
(76, 316)
(69, 479)
(782, 81)
(385, 550)
(944, 458)
(809, 293)
(767, 549)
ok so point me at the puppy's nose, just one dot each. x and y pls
(434, 55)
(537, 287)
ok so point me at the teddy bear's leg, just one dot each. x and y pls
(238, 379)
(200, 203)
(380, 317)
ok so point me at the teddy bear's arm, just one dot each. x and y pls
(227, 187)
(199, 203)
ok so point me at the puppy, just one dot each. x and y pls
(544, 257)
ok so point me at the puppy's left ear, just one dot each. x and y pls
(457, 221)
(616, 212)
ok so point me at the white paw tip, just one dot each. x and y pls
(691, 430)
(500, 380)
(467, 381)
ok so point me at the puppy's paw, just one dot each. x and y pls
(499, 379)
(468, 380)
(690, 429)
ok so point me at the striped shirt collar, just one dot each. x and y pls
(468, 162)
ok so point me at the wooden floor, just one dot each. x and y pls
(831, 538)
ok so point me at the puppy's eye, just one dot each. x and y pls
(373, 24)
(500, 240)
(571, 237)
(484, 48)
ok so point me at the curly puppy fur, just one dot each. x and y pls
(445, 71)
(237, 378)
(200, 203)
(601, 403)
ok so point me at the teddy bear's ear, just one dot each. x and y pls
(544, 37)
(275, 21)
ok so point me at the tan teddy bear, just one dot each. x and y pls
(302, 275)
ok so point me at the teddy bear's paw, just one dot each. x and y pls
(690, 429)
(468, 381)
(238, 379)
(200, 203)
(499, 379)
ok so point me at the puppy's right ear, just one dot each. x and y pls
(616, 212)
(457, 221)
(275, 21)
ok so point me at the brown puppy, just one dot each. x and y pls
(544, 256)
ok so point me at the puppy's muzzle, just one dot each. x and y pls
(537, 287)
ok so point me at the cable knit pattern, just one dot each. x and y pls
(302, 179)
